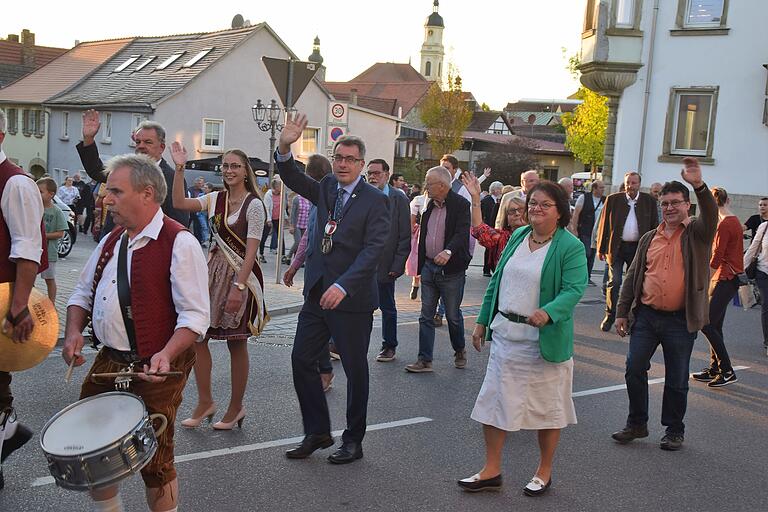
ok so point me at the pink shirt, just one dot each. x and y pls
(435, 237)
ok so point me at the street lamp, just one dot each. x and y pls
(267, 117)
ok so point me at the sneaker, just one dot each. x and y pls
(334, 353)
(460, 359)
(591, 283)
(705, 375)
(628, 434)
(262, 259)
(438, 320)
(723, 379)
(671, 442)
(386, 355)
(419, 366)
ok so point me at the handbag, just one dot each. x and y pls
(747, 296)
(751, 270)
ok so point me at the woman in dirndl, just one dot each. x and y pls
(235, 280)
(527, 314)
(418, 205)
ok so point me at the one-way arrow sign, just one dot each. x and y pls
(290, 77)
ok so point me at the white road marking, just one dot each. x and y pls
(48, 480)
(608, 389)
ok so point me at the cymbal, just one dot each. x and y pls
(15, 357)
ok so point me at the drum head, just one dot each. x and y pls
(92, 423)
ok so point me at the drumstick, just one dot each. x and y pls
(136, 374)
(68, 375)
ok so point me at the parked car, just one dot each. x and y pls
(65, 243)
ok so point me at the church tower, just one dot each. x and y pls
(317, 59)
(432, 52)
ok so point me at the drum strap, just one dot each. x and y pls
(124, 293)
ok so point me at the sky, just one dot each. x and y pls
(503, 50)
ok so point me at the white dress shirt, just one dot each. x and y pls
(23, 212)
(189, 286)
(631, 231)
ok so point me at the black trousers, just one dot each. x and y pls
(351, 333)
(6, 398)
(721, 294)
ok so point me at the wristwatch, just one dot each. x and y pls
(448, 251)
(179, 167)
(240, 286)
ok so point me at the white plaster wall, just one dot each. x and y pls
(734, 63)
(227, 90)
(26, 148)
(377, 132)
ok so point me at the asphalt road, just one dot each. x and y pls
(421, 439)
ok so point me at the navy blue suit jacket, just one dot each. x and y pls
(357, 243)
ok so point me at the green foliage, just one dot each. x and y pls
(445, 116)
(585, 128)
(485, 107)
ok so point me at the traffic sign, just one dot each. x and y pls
(337, 112)
(335, 133)
(290, 77)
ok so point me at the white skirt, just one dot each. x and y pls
(522, 391)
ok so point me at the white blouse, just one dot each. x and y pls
(255, 215)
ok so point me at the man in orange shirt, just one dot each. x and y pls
(664, 301)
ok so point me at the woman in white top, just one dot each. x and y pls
(759, 249)
(527, 314)
(235, 280)
(68, 193)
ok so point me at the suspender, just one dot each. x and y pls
(124, 293)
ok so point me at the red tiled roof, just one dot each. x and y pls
(542, 146)
(62, 72)
(383, 105)
(388, 72)
(406, 94)
(10, 53)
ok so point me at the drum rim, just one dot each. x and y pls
(83, 400)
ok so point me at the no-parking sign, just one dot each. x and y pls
(334, 133)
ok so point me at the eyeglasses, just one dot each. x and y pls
(374, 173)
(674, 204)
(349, 160)
(515, 211)
(234, 167)
(543, 206)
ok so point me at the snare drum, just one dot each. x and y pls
(100, 440)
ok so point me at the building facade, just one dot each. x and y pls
(684, 78)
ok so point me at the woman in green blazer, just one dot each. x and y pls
(527, 313)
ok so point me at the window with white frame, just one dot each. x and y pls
(64, 126)
(309, 141)
(690, 122)
(703, 13)
(106, 129)
(12, 116)
(136, 120)
(213, 134)
(625, 13)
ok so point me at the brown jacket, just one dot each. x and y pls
(614, 216)
(696, 243)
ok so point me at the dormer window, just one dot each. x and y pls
(127, 63)
(170, 60)
(145, 63)
(194, 60)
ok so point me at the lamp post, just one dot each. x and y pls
(267, 117)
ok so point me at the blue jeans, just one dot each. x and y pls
(436, 285)
(388, 314)
(651, 329)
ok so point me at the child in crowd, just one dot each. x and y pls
(55, 225)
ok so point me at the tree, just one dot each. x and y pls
(509, 160)
(446, 116)
(585, 128)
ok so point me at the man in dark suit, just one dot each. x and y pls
(626, 217)
(443, 260)
(149, 138)
(392, 262)
(489, 208)
(340, 288)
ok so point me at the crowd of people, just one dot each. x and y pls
(153, 302)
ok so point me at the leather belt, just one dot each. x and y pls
(514, 317)
(123, 357)
(661, 312)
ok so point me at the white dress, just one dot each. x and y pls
(521, 390)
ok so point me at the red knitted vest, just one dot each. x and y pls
(154, 314)
(8, 268)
